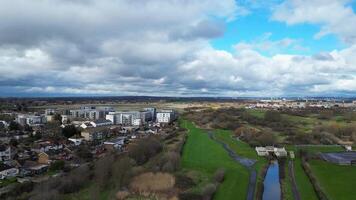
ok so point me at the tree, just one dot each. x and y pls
(219, 175)
(208, 191)
(84, 153)
(144, 150)
(57, 165)
(58, 117)
(266, 138)
(13, 142)
(69, 131)
(272, 116)
(13, 126)
(27, 128)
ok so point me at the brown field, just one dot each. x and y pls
(157, 185)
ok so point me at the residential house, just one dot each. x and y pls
(43, 158)
(115, 144)
(31, 120)
(96, 133)
(33, 168)
(5, 152)
(77, 141)
(7, 171)
(46, 145)
(86, 125)
(101, 122)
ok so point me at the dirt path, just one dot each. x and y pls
(246, 162)
(295, 191)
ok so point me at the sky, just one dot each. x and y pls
(225, 48)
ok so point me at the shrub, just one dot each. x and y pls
(219, 175)
(208, 191)
(184, 182)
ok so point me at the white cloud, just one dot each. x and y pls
(102, 47)
(334, 16)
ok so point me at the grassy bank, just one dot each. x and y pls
(242, 149)
(204, 155)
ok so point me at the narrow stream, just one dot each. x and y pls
(272, 189)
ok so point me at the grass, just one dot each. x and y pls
(337, 181)
(8, 181)
(240, 147)
(287, 185)
(304, 186)
(87, 192)
(243, 149)
(206, 156)
(257, 113)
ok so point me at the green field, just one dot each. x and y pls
(304, 186)
(206, 156)
(337, 181)
(241, 148)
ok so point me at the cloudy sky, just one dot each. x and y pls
(178, 47)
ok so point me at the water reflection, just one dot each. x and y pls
(272, 190)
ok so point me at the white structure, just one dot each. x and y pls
(165, 116)
(265, 151)
(86, 125)
(65, 119)
(50, 111)
(101, 122)
(137, 122)
(31, 120)
(76, 141)
(348, 147)
(116, 143)
(261, 151)
(91, 113)
(129, 118)
(4, 123)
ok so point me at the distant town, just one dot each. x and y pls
(37, 145)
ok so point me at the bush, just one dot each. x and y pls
(57, 165)
(189, 196)
(219, 175)
(208, 191)
(144, 150)
(184, 182)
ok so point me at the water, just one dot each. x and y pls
(272, 189)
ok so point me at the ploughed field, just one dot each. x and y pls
(204, 155)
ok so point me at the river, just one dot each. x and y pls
(272, 189)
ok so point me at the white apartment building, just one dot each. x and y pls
(129, 118)
(31, 120)
(165, 116)
(91, 113)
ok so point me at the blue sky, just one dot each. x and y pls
(254, 25)
(230, 48)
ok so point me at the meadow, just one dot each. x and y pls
(204, 155)
(337, 181)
